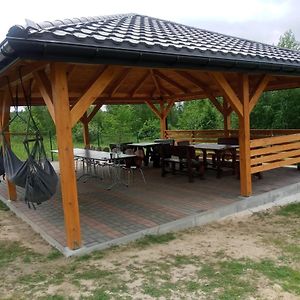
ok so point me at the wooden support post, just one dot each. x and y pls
(227, 119)
(5, 115)
(244, 140)
(86, 134)
(65, 154)
(163, 121)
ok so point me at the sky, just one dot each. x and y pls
(259, 20)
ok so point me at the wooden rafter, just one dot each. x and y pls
(259, 90)
(92, 93)
(226, 88)
(164, 89)
(27, 71)
(157, 87)
(119, 80)
(138, 84)
(44, 85)
(170, 81)
(204, 87)
(70, 72)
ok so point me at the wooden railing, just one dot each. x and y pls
(274, 152)
(194, 136)
(212, 135)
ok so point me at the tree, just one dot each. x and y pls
(288, 40)
(199, 115)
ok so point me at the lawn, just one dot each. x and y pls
(250, 257)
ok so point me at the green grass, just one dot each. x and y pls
(3, 207)
(286, 276)
(54, 254)
(93, 274)
(291, 210)
(155, 239)
(11, 251)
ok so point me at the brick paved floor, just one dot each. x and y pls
(109, 214)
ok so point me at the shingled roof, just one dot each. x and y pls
(141, 40)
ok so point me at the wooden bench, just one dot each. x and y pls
(182, 160)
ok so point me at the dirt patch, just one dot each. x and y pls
(14, 229)
(130, 269)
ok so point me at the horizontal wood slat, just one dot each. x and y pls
(274, 165)
(275, 149)
(274, 157)
(274, 152)
(274, 140)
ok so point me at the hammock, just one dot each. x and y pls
(36, 174)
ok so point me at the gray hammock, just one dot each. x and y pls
(36, 174)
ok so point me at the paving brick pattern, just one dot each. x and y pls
(109, 214)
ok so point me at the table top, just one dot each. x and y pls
(214, 146)
(98, 155)
(143, 144)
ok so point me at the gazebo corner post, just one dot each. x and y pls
(5, 115)
(65, 154)
(226, 118)
(163, 126)
(244, 140)
(86, 134)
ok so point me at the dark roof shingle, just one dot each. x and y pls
(135, 32)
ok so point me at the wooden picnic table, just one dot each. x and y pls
(219, 150)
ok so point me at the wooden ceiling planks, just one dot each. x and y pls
(136, 84)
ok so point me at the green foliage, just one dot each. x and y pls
(149, 130)
(277, 109)
(199, 115)
(288, 40)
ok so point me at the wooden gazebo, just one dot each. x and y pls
(134, 59)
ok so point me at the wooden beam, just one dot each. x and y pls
(92, 93)
(204, 87)
(226, 115)
(225, 87)
(93, 112)
(244, 141)
(259, 90)
(65, 154)
(138, 84)
(26, 70)
(163, 121)
(44, 86)
(119, 81)
(157, 87)
(170, 81)
(86, 134)
(153, 108)
(168, 108)
(5, 116)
